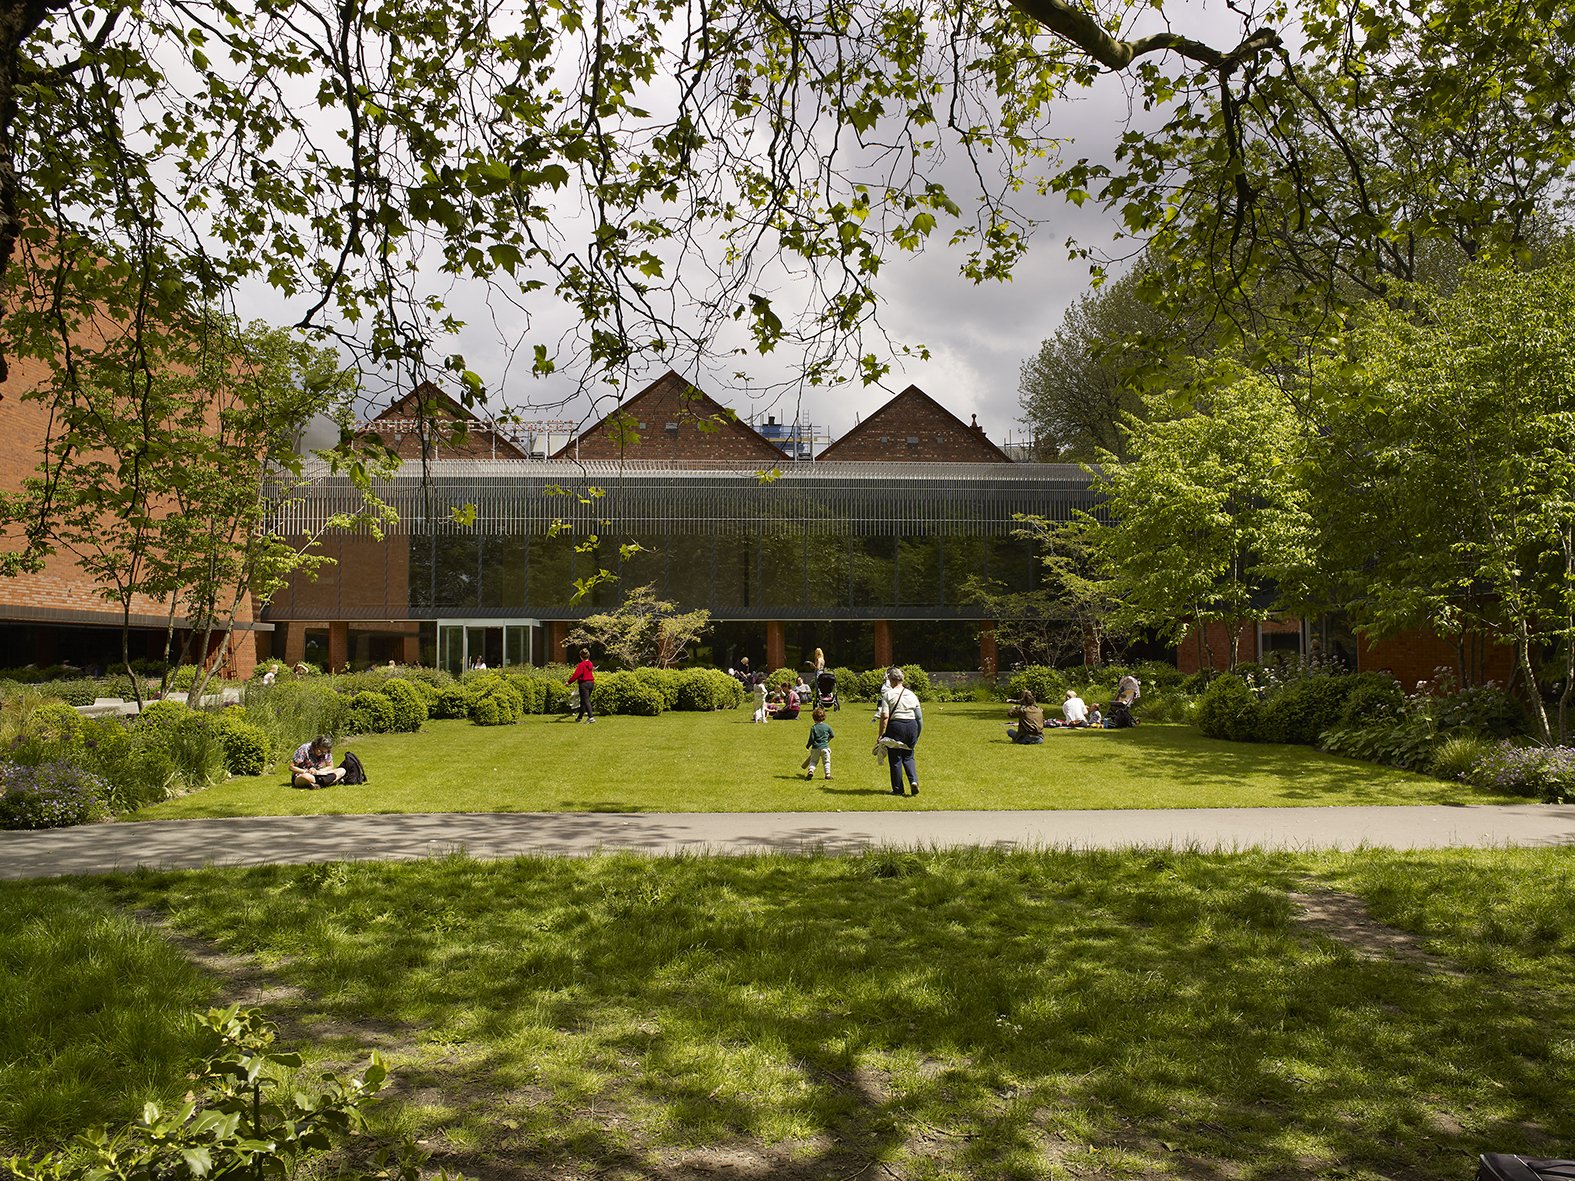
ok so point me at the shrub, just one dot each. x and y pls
(82, 692)
(780, 678)
(870, 683)
(1459, 754)
(494, 703)
(449, 701)
(54, 722)
(1304, 709)
(1409, 741)
(50, 795)
(293, 711)
(707, 689)
(1545, 773)
(1374, 699)
(370, 713)
(246, 746)
(664, 681)
(1045, 683)
(410, 707)
(1230, 710)
(848, 684)
(918, 680)
(625, 693)
(1482, 709)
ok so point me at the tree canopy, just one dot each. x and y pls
(683, 171)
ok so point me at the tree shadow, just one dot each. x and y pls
(1155, 1008)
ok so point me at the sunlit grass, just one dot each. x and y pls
(966, 1013)
(95, 1012)
(687, 762)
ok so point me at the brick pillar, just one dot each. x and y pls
(412, 653)
(294, 643)
(989, 658)
(243, 654)
(338, 646)
(882, 644)
(557, 641)
(776, 645)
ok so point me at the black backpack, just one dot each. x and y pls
(354, 771)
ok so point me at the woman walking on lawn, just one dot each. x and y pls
(901, 718)
(585, 674)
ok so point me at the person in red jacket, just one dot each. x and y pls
(585, 674)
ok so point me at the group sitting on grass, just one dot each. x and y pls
(1076, 714)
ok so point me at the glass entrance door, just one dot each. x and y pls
(465, 643)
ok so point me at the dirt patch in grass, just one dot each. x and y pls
(1345, 919)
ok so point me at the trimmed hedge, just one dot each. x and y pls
(246, 746)
(494, 702)
(370, 713)
(410, 707)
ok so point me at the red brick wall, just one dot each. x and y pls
(1416, 656)
(703, 430)
(936, 434)
(366, 576)
(1217, 636)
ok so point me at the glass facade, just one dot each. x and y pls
(830, 542)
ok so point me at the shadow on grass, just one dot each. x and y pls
(1111, 1012)
(1288, 774)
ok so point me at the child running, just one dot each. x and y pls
(819, 744)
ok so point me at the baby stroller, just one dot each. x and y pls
(826, 690)
(1120, 715)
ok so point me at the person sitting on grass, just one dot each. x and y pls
(312, 765)
(787, 706)
(1030, 721)
(1074, 710)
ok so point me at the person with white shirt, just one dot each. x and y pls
(901, 718)
(1074, 709)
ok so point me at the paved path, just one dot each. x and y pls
(179, 844)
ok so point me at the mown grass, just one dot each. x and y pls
(965, 1013)
(719, 762)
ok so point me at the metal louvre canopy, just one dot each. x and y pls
(515, 497)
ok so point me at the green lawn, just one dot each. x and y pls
(686, 762)
(962, 1014)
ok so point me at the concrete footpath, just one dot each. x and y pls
(185, 844)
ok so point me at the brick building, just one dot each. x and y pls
(914, 428)
(863, 557)
(58, 615)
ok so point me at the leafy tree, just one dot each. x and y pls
(644, 630)
(164, 479)
(1208, 517)
(1074, 393)
(1445, 481)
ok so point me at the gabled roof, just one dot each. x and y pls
(671, 419)
(914, 427)
(480, 439)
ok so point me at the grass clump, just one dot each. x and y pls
(97, 1013)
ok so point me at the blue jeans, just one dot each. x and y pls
(898, 760)
(1022, 739)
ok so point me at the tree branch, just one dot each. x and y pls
(1083, 30)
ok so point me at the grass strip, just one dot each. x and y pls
(958, 1013)
(719, 762)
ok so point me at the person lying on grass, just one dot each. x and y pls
(312, 765)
